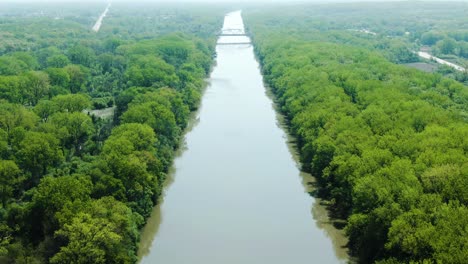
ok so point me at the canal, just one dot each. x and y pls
(235, 194)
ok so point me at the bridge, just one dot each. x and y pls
(233, 43)
(240, 42)
(233, 35)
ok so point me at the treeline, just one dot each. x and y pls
(154, 18)
(447, 42)
(74, 187)
(396, 30)
(343, 24)
(58, 40)
(388, 146)
(33, 26)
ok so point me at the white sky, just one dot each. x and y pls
(218, 1)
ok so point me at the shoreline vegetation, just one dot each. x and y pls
(387, 145)
(75, 187)
(391, 170)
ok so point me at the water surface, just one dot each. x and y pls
(236, 194)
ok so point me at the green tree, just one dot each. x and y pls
(55, 201)
(13, 115)
(36, 86)
(430, 38)
(72, 128)
(12, 66)
(37, 152)
(80, 54)
(448, 181)
(78, 76)
(44, 109)
(141, 136)
(137, 170)
(59, 77)
(447, 46)
(57, 61)
(27, 58)
(100, 234)
(169, 97)
(9, 179)
(45, 53)
(11, 89)
(72, 102)
(151, 71)
(157, 116)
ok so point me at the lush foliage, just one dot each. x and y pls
(387, 144)
(396, 30)
(75, 187)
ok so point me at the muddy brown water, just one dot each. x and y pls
(235, 193)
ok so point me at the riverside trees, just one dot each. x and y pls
(76, 188)
(388, 145)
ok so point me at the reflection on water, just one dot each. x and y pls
(235, 193)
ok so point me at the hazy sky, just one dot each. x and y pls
(218, 1)
(221, 1)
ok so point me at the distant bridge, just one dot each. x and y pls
(233, 43)
(233, 35)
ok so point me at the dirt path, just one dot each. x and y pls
(98, 24)
(428, 56)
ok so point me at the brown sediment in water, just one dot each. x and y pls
(236, 193)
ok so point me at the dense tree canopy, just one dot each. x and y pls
(387, 144)
(89, 121)
(78, 179)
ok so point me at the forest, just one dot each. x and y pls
(387, 144)
(396, 30)
(89, 123)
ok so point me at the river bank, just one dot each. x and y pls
(236, 194)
